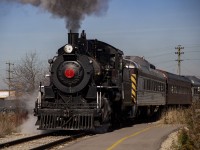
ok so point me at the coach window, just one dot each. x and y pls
(148, 85)
(175, 89)
(188, 90)
(155, 86)
(140, 84)
(144, 84)
(185, 90)
(181, 90)
(160, 87)
(172, 89)
(163, 87)
(178, 90)
(195, 91)
(152, 85)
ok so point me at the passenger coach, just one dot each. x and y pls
(178, 89)
(195, 88)
(147, 85)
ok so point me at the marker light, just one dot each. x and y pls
(69, 73)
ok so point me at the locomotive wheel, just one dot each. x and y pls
(106, 113)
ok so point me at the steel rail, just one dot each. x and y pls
(23, 140)
(58, 142)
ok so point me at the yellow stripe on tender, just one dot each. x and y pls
(133, 79)
(134, 87)
(134, 93)
(133, 75)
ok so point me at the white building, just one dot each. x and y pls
(6, 94)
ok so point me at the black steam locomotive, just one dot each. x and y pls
(85, 85)
(92, 85)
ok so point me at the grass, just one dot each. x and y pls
(189, 136)
(9, 122)
(174, 116)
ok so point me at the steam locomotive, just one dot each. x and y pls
(92, 84)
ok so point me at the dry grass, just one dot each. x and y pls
(189, 136)
(9, 122)
(174, 116)
(193, 125)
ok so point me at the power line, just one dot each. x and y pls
(158, 55)
(193, 59)
(9, 75)
(192, 46)
(164, 62)
(192, 51)
(179, 53)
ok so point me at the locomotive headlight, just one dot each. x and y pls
(68, 48)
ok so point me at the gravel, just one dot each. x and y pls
(14, 136)
(166, 145)
(31, 144)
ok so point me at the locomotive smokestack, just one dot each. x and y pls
(73, 38)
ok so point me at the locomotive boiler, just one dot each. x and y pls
(85, 85)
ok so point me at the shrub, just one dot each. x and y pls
(189, 136)
(9, 122)
(174, 116)
(193, 125)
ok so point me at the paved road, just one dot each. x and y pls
(137, 137)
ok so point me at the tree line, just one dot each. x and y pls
(27, 75)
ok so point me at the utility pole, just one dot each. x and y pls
(179, 53)
(9, 75)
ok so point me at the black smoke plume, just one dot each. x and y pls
(73, 11)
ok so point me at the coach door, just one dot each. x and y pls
(127, 86)
(130, 86)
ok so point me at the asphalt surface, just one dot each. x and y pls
(137, 137)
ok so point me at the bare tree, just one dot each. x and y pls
(27, 74)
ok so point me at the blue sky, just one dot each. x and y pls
(149, 28)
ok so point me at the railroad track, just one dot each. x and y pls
(41, 141)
